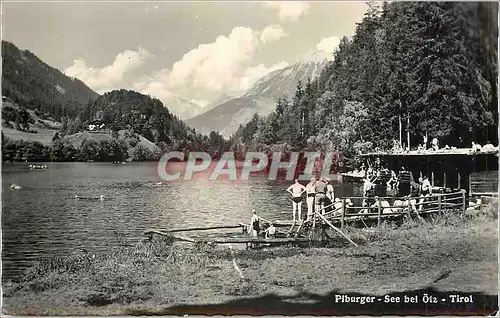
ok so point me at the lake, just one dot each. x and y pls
(44, 219)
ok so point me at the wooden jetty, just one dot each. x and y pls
(341, 215)
(227, 240)
(352, 177)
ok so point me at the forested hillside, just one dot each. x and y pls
(430, 66)
(33, 84)
(140, 114)
(137, 128)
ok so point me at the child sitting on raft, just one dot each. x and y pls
(270, 232)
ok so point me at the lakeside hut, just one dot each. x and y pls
(463, 168)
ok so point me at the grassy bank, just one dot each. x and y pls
(448, 253)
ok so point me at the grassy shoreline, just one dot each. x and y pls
(158, 276)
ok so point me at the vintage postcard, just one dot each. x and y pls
(323, 158)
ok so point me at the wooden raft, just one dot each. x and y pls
(228, 240)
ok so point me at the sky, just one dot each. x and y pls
(195, 50)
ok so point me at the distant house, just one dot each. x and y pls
(96, 126)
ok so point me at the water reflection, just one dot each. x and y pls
(43, 218)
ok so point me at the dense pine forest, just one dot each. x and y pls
(429, 67)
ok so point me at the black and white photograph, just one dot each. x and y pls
(324, 158)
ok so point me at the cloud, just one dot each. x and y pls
(221, 67)
(111, 75)
(155, 88)
(254, 73)
(215, 66)
(288, 10)
(202, 103)
(272, 33)
(328, 44)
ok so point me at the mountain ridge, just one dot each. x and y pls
(34, 84)
(261, 98)
(182, 107)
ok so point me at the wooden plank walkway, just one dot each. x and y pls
(418, 206)
(228, 240)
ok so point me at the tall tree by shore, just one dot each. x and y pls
(429, 67)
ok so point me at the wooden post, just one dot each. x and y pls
(400, 123)
(459, 185)
(432, 178)
(336, 229)
(464, 206)
(379, 212)
(298, 230)
(439, 203)
(206, 228)
(408, 130)
(444, 179)
(409, 206)
(314, 218)
(343, 214)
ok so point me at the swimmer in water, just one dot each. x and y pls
(101, 198)
(15, 186)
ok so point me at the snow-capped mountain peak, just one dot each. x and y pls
(283, 81)
(316, 57)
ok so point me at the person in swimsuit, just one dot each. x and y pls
(254, 225)
(330, 195)
(367, 192)
(311, 193)
(320, 189)
(425, 191)
(296, 191)
(270, 231)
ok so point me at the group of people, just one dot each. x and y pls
(376, 182)
(256, 229)
(320, 195)
(434, 146)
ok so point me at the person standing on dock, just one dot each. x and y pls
(391, 184)
(367, 190)
(320, 189)
(330, 191)
(404, 182)
(296, 191)
(254, 225)
(330, 195)
(425, 191)
(311, 193)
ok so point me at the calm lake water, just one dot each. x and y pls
(43, 218)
